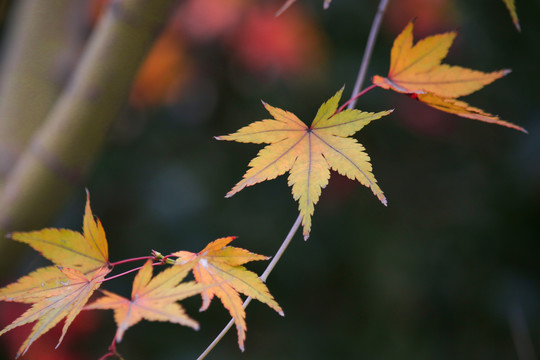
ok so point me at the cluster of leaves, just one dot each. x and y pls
(309, 152)
(81, 264)
(81, 261)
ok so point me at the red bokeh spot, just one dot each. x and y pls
(43, 348)
(288, 44)
(433, 16)
(204, 20)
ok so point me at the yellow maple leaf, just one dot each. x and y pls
(308, 153)
(60, 291)
(417, 69)
(85, 252)
(152, 298)
(218, 267)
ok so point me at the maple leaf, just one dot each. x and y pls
(60, 291)
(463, 109)
(64, 301)
(511, 5)
(153, 299)
(219, 267)
(85, 252)
(308, 153)
(417, 69)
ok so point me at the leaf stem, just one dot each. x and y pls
(112, 351)
(130, 260)
(354, 98)
(263, 277)
(127, 272)
(368, 51)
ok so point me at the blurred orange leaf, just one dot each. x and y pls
(218, 266)
(308, 153)
(163, 72)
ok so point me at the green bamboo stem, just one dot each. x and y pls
(62, 150)
(40, 44)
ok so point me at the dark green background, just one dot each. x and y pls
(449, 270)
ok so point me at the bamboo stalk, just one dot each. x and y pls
(40, 45)
(61, 152)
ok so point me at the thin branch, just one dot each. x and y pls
(520, 333)
(351, 104)
(281, 249)
(112, 352)
(284, 7)
(354, 98)
(127, 272)
(130, 260)
(368, 51)
(263, 277)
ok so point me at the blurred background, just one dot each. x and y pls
(449, 270)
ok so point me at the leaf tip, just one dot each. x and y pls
(9, 236)
(218, 138)
(506, 72)
(306, 237)
(281, 313)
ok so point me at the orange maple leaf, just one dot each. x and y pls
(153, 299)
(218, 266)
(417, 69)
(60, 291)
(308, 153)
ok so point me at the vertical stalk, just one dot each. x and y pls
(351, 104)
(375, 26)
(62, 150)
(263, 277)
(40, 44)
